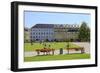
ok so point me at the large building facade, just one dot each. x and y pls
(51, 32)
(66, 32)
(42, 32)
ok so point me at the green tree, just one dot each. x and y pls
(84, 32)
(25, 37)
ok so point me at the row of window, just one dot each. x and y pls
(35, 37)
(66, 33)
(42, 33)
(66, 26)
(53, 33)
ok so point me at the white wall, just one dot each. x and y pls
(5, 35)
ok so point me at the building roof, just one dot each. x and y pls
(26, 29)
(72, 30)
(55, 26)
(66, 26)
(43, 26)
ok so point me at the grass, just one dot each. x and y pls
(54, 45)
(57, 57)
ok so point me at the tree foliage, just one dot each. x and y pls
(84, 32)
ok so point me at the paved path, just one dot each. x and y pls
(86, 45)
(34, 53)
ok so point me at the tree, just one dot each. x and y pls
(25, 37)
(84, 32)
(31, 42)
(68, 47)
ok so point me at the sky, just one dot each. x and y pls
(31, 18)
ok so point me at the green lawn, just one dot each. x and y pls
(54, 45)
(57, 57)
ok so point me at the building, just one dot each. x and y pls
(26, 34)
(42, 32)
(51, 32)
(66, 32)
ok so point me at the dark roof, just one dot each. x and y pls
(72, 30)
(54, 26)
(26, 29)
(43, 26)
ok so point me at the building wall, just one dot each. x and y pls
(26, 35)
(66, 32)
(42, 34)
(59, 33)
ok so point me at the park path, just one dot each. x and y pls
(86, 45)
(34, 53)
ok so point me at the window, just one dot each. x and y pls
(44, 33)
(33, 36)
(41, 33)
(33, 33)
(36, 36)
